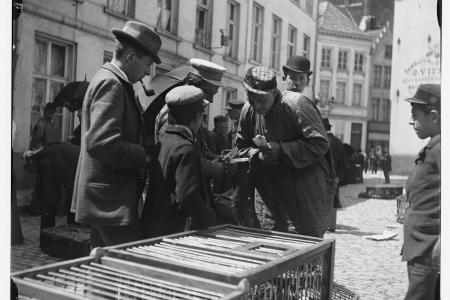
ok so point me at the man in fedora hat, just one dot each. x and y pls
(296, 73)
(422, 228)
(285, 140)
(112, 157)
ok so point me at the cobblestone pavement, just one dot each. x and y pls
(372, 269)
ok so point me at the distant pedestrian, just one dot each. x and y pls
(366, 162)
(422, 227)
(218, 137)
(375, 162)
(340, 168)
(386, 166)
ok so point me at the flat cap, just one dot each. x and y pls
(184, 95)
(209, 71)
(427, 94)
(260, 80)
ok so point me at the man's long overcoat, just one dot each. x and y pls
(112, 152)
(301, 185)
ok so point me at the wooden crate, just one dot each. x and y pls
(275, 265)
(110, 278)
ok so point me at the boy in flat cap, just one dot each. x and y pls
(218, 137)
(107, 186)
(180, 197)
(422, 227)
(285, 140)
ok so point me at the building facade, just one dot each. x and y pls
(379, 109)
(342, 75)
(59, 41)
(416, 59)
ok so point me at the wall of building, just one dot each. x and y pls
(86, 27)
(343, 115)
(416, 60)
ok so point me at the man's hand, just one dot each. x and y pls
(271, 154)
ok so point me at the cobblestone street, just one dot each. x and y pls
(372, 269)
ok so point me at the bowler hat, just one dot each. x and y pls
(298, 64)
(209, 71)
(235, 104)
(427, 94)
(142, 36)
(260, 80)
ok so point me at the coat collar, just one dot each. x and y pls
(182, 131)
(109, 66)
(434, 141)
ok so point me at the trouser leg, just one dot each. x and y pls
(49, 203)
(423, 280)
(244, 197)
(113, 235)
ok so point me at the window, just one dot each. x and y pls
(377, 75)
(53, 67)
(326, 58)
(167, 15)
(324, 90)
(228, 94)
(374, 110)
(357, 94)
(387, 77)
(388, 52)
(385, 110)
(258, 27)
(359, 62)
(203, 24)
(122, 7)
(342, 60)
(276, 43)
(340, 92)
(232, 29)
(107, 56)
(292, 41)
(306, 45)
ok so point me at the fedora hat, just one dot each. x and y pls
(298, 64)
(142, 36)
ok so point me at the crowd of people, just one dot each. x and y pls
(137, 174)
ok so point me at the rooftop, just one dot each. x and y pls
(333, 21)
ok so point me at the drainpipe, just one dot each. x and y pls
(315, 53)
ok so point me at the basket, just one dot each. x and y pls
(275, 265)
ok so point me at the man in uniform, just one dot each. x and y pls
(285, 140)
(107, 185)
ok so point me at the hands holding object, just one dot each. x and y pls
(270, 152)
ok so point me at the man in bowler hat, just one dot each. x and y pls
(297, 73)
(112, 157)
(422, 227)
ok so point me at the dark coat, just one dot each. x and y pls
(422, 226)
(112, 153)
(302, 183)
(43, 134)
(178, 198)
(337, 152)
(217, 142)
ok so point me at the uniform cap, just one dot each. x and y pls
(260, 80)
(427, 94)
(209, 71)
